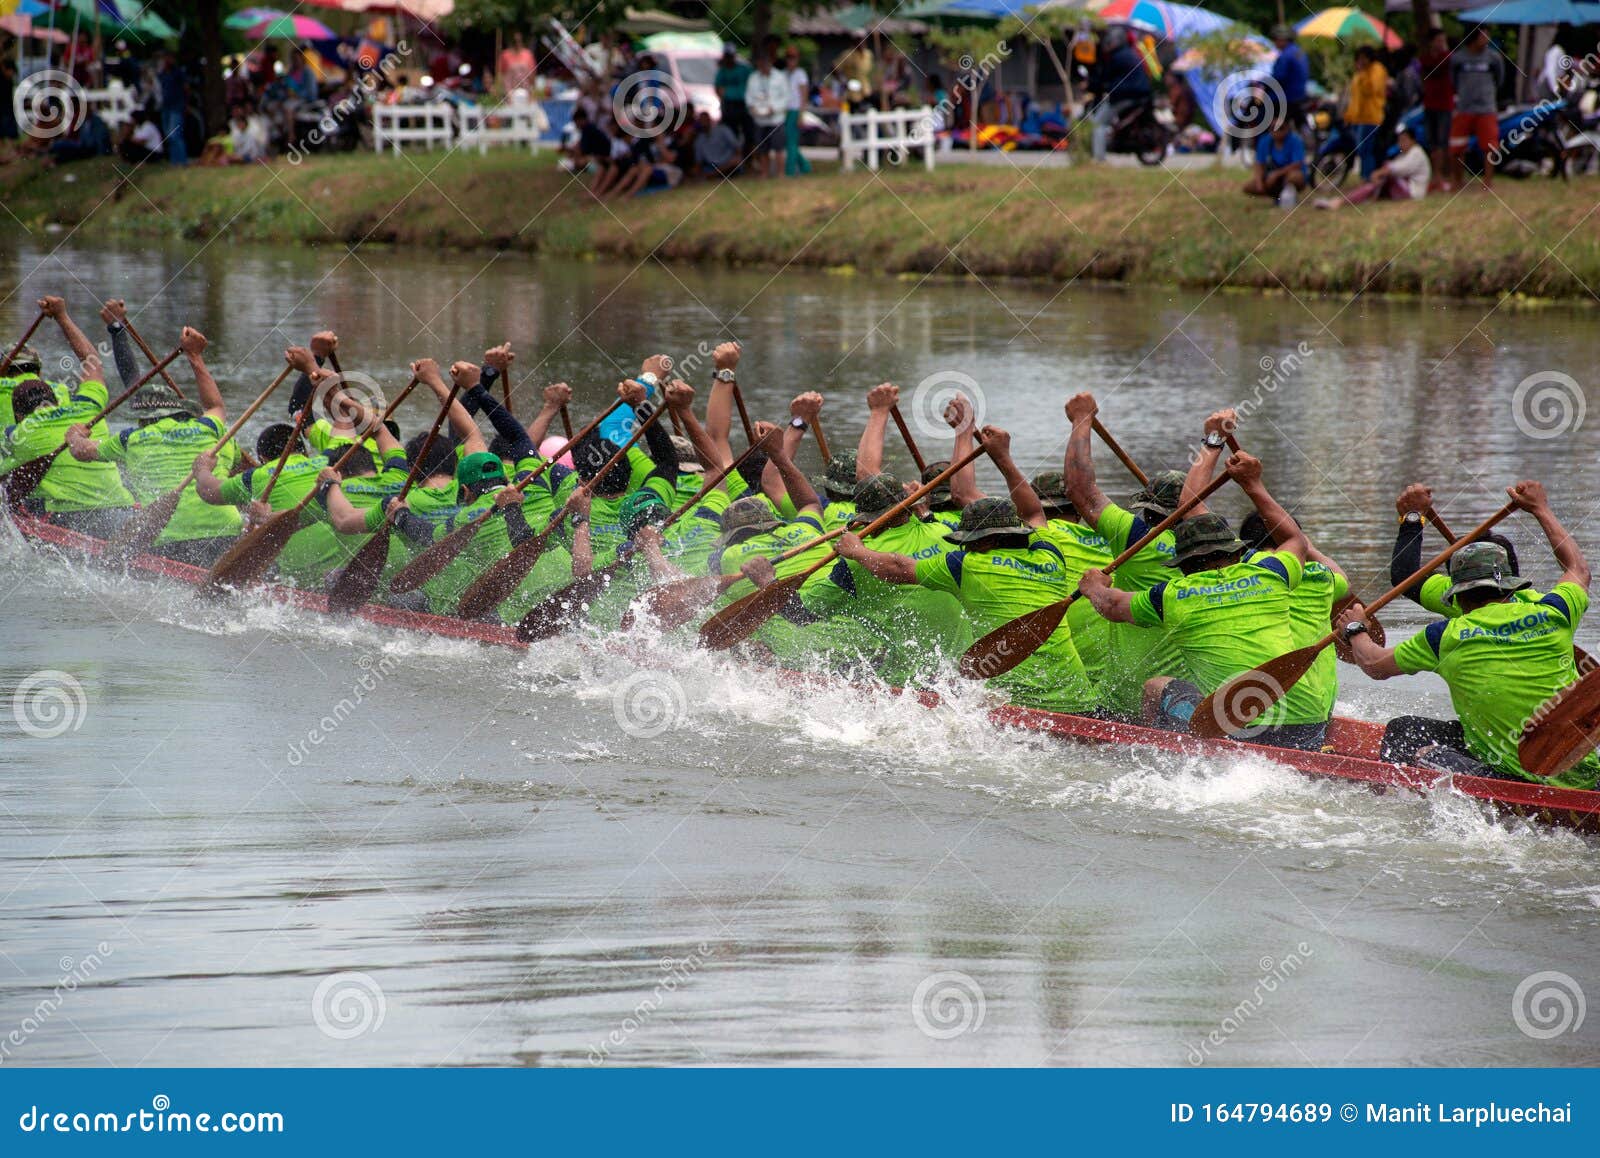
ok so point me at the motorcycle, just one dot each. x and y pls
(1145, 130)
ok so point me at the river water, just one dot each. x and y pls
(265, 836)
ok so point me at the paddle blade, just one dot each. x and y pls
(674, 604)
(735, 622)
(358, 581)
(1564, 730)
(248, 559)
(433, 560)
(23, 480)
(140, 532)
(496, 584)
(1241, 701)
(1011, 643)
(551, 615)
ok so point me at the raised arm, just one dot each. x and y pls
(477, 397)
(193, 343)
(998, 443)
(1530, 496)
(115, 315)
(795, 482)
(805, 407)
(56, 307)
(1246, 471)
(1083, 489)
(1406, 559)
(719, 408)
(461, 424)
(680, 399)
(869, 451)
(964, 483)
(1204, 467)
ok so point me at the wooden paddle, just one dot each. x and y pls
(911, 443)
(248, 559)
(736, 621)
(20, 481)
(744, 415)
(1240, 701)
(822, 442)
(551, 614)
(496, 584)
(437, 556)
(150, 355)
(566, 422)
(1011, 643)
(358, 578)
(140, 532)
(1126, 459)
(22, 341)
(1564, 730)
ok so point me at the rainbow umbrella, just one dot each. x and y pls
(270, 24)
(1169, 20)
(1347, 24)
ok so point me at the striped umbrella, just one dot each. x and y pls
(1169, 20)
(1347, 24)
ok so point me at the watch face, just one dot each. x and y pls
(723, 375)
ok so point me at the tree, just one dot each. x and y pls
(200, 44)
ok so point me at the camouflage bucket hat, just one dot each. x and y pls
(158, 400)
(481, 470)
(688, 458)
(1481, 565)
(641, 507)
(988, 517)
(26, 362)
(747, 517)
(1163, 494)
(839, 480)
(939, 495)
(1203, 535)
(1051, 487)
(876, 495)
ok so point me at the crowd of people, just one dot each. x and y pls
(876, 572)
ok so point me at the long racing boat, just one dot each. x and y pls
(1351, 752)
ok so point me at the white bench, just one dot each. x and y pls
(893, 133)
(512, 122)
(115, 105)
(431, 125)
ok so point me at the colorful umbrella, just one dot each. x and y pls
(117, 17)
(270, 24)
(1347, 24)
(1169, 20)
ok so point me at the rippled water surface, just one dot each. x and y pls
(271, 837)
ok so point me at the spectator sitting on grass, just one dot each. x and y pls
(590, 145)
(1404, 177)
(142, 141)
(1280, 169)
(716, 148)
(89, 138)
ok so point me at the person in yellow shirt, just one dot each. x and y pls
(1369, 92)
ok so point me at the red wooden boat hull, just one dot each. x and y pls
(1354, 742)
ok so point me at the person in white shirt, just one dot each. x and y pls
(1404, 177)
(766, 94)
(794, 161)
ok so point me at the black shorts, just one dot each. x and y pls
(1436, 128)
(768, 139)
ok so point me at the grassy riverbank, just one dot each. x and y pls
(1539, 239)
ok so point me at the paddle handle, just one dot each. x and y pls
(566, 422)
(822, 442)
(358, 443)
(1123, 456)
(1438, 524)
(22, 341)
(294, 437)
(905, 435)
(144, 346)
(710, 485)
(249, 411)
(744, 415)
(1437, 561)
(427, 443)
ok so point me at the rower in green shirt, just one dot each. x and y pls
(1082, 547)
(1412, 506)
(1502, 657)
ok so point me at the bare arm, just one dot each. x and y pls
(206, 484)
(1082, 486)
(869, 451)
(1377, 662)
(1530, 497)
(890, 567)
(194, 348)
(680, 398)
(461, 424)
(795, 482)
(342, 517)
(719, 408)
(1218, 426)
(56, 307)
(1023, 497)
(964, 483)
(582, 543)
(1246, 471)
(805, 407)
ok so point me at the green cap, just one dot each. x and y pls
(747, 517)
(988, 517)
(1203, 535)
(1480, 565)
(1051, 487)
(639, 508)
(839, 480)
(481, 470)
(155, 399)
(940, 495)
(876, 495)
(1163, 494)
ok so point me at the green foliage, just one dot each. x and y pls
(965, 48)
(1223, 51)
(1333, 62)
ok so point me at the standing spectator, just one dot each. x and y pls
(1290, 71)
(1122, 82)
(1404, 178)
(1280, 170)
(731, 80)
(1369, 94)
(768, 97)
(1438, 101)
(300, 90)
(174, 106)
(1477, 72)
(516, 67)
(856, 68)
(794, 161)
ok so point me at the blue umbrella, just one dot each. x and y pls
(1533, 12)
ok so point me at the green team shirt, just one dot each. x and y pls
(314, 549)
(769, 545)
(1432, 596)
(158, 456)
(1136, 655)
(688, 543)
(606, 535)
(1310, 609)
(997, 586)
(8, 385)
(1082, 548)
(69, 485)
(689, 484)
(1501, 662)
(490, 543)
(320, 436)
(1229, 620)
(543, 496)
(836, 514)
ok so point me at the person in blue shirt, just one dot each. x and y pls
(1280, 163)
(174, 91)
(1290, 72)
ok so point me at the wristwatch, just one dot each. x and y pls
(646, 378)
(1358, 627)
(1411, 517)
(579, 521)
(797, 422)
(1215, 441)
(723, 375)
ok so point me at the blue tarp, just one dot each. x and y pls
(1533, 12)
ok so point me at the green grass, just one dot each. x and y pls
(1535, 239)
